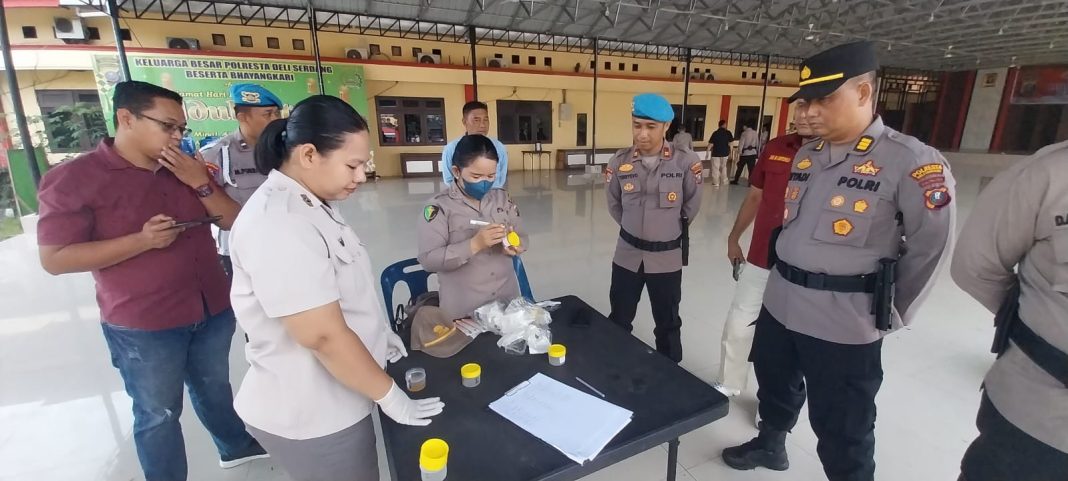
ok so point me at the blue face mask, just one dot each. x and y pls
(477, 190)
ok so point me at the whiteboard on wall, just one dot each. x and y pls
(576, 159)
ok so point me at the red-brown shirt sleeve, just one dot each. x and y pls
(65, 217)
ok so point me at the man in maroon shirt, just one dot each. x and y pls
(765, 203)
(164, 299)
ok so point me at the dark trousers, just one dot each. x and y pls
(745, 161)
(841, 382)
(665, 293)
(1002, 452)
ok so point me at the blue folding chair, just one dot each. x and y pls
(416, 280)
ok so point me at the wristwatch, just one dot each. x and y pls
(205, 190)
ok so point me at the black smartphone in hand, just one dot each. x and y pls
(196, 222)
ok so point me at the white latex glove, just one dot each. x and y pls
(404, 410)
(394, 347)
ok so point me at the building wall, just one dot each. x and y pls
(570, 74)
(983, 111)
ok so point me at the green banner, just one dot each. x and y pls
(204, 82)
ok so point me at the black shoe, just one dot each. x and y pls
(734, 182)
(252, 452)
(767, 450)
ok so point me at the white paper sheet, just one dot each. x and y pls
(576, 423)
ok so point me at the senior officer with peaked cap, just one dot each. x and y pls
(868, 224)
(654, 191)
(230, 157)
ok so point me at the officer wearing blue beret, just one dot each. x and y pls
(654, 191)
(232, 157)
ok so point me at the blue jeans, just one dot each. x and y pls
(154, 365)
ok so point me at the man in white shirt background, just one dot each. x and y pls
(748, 143)
(476, 121)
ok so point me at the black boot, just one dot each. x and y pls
(767, 450)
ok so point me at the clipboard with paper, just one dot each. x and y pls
(575, 423)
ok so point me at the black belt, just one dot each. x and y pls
(1040, 351)
(826, 282)
(650, 246)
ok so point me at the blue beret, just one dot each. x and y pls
(652, 107)
(252, 95)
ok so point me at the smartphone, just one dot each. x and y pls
(737, 264)
(196, 222)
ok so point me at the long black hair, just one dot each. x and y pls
(320, 120)
(471, 147)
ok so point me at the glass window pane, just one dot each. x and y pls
(413, 129)
(410, 103)
(387, 103)
(434, 104)
(526, 129)
(387, 125)
(435, 128)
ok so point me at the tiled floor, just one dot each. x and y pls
(64, 414)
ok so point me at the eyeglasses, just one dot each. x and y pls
(172, 128)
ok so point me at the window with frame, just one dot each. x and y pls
(73, 119)
(411, 121)
(524, 121)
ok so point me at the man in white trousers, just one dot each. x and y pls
(765, 203)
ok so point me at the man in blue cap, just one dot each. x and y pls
(232, 155)
(654, 190)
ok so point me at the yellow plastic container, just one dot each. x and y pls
(512, 239)
(557, 354)
(471, 374)
(434, 459)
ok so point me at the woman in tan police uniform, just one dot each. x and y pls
(473, 265)
(304, 293)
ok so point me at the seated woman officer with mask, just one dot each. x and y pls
(462, 232)
(304, 293)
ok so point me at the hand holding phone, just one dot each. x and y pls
(196, 222)
(737, 268)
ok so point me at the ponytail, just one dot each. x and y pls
(271, 148)
(320, 120)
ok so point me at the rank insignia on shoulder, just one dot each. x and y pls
(867, 168)
(306, 200)
(937, 198)
(626, 167)
(607, 174)
(430, 212)
(804, 164)
(842, 227)
(819, 146)
(864, 144)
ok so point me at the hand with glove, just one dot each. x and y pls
(404, 410)
(395, 350)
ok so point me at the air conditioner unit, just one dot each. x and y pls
(180, 43)
(357, 53)
(68, 28)
(429, 58)
(497, 63)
